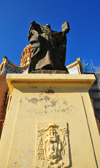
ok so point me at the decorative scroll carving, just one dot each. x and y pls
(40, 150)
(52, 146)
(8, 67)
(26, 55)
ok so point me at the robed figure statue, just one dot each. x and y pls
(48, 47)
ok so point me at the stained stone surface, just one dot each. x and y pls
(50, 123)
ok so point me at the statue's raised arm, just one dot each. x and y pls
(48, 47)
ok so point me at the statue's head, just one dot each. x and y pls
(48, 26)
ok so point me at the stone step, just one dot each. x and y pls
(97, 85)
(95, 98)
(94, 93)
(97, 114)
(96, 108)
(94, 89)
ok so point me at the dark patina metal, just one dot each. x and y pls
(48, 47)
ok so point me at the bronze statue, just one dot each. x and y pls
(48, 47)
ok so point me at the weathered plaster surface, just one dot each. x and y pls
(35, 102)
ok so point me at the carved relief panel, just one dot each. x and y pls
(52, 150)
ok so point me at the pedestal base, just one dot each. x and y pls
(50, 123)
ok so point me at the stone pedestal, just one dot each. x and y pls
(50, 123)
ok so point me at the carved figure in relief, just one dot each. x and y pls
(52, 145)
(52, 150)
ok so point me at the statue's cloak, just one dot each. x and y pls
(48, 47)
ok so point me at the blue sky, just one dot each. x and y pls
(83, 16)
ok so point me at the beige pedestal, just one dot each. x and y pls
(50, 123)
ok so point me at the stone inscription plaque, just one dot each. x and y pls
(52, 150)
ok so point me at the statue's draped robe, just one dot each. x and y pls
(49, 48)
